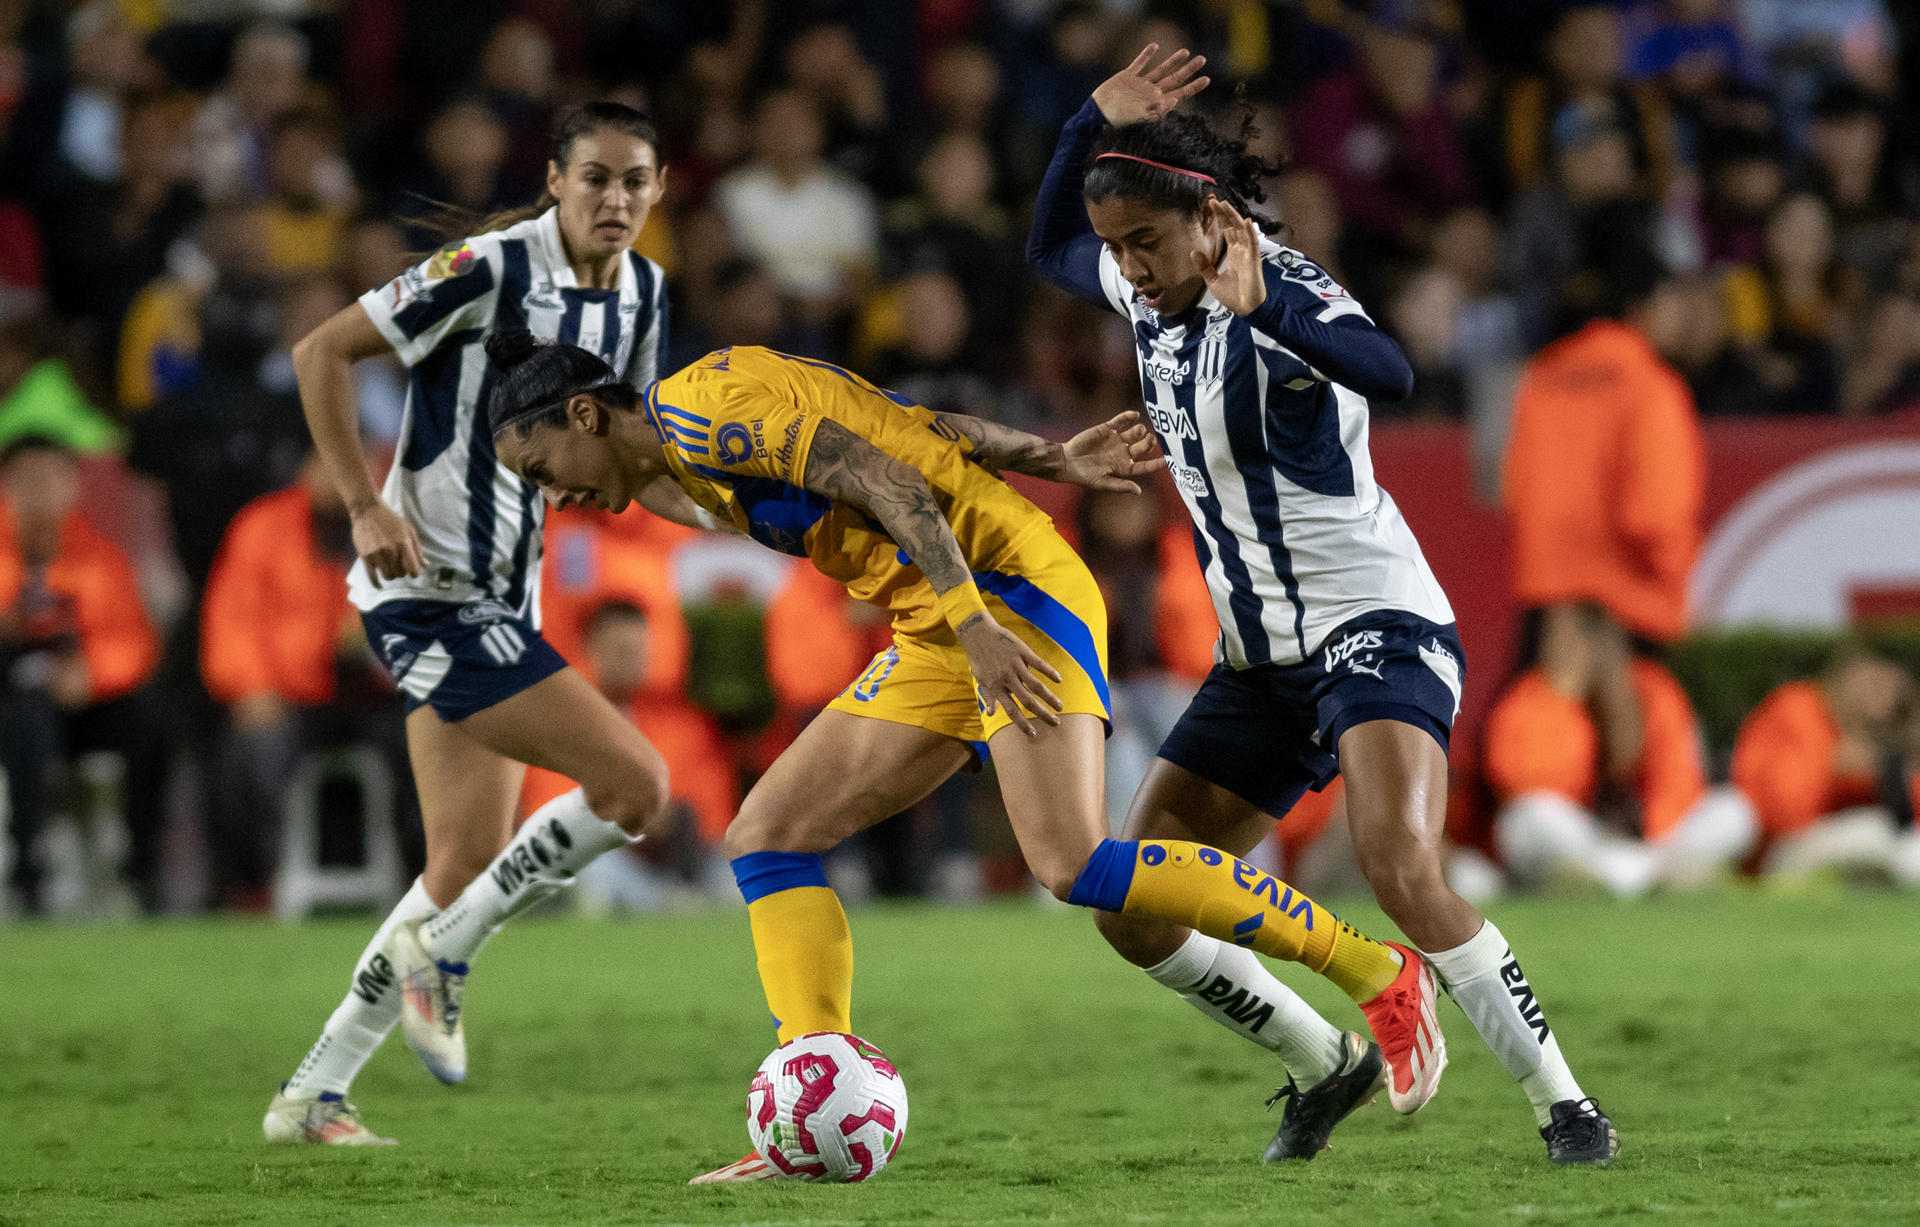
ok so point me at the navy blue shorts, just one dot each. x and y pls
(1269, 733)
(458, 658)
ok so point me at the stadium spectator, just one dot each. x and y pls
(1583, 69)
(517, 81)
(849, 95)
(1744, 175)
(282, 650)
(812, 226)
(267, 79)
(1874, 194)
(310, 196)
(466, 152)
(108, 238)
(1784, 318)
(1575, 235)
(1565, 811)
(1381, 134)
(954, 227)
(235, 432)
(1455, 320)
(75, 654)
(1604, 471)
(1832, 770)
(107, 60)
(23, 278)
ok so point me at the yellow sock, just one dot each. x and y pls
(802, 942)
(1226, 898)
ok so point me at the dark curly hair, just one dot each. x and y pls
(1189, 143)
(533, 380)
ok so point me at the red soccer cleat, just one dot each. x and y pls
(1406, 1025)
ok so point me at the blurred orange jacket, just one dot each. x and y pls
(814, 647)
(93, 573)
(1604, 476)
(593, 557)
(1783, 761)
(276, 611)
(1185, 626)
(1539, 740)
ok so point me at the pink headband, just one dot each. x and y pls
(1191, 174)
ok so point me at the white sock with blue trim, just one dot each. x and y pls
(1230, 985)
(362, 1021)
(556, 842)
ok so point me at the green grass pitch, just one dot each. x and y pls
(1760, 1055)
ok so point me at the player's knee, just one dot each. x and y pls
(1405, 885)
(759, 829)
(632, 795)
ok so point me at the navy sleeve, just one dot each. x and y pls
(1348, 349)
(1061, 246)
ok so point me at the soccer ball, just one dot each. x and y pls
(827, 1106)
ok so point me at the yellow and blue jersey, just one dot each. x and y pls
(738, 426)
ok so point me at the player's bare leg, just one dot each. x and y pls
(1329, 1072)
(1396, 810)
(563, 724)
(468, 795)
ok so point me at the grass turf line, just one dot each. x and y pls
(1758, 1054)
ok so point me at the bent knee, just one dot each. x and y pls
(633, 794)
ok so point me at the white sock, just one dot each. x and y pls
(1486, 981)
(1230, 985)
(557, 841)
(371, 1008)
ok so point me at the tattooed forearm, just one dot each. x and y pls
(1005, 449)
(848, 469)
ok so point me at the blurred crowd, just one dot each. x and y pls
(188, 186)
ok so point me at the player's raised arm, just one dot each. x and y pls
(848, 469)
(1061, 245)
(1103, 457)
(1337, 340)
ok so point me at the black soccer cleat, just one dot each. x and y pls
(1580, 1133)
(1311, 1114)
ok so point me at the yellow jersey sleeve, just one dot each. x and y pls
(727, 416)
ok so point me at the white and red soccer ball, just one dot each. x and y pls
(827, 1106)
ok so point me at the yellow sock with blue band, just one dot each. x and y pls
(801, 939)
(1226, 898)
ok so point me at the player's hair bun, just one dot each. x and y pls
(509, 347)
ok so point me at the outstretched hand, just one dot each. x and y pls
(1143, 90)
(1110, 455)
(1236, 282)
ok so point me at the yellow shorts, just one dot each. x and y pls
(1051, 602)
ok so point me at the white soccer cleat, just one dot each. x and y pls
(741, 1171)
(326, 1120)
(430, 994)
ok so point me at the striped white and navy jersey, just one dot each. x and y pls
(479, 525)
(1264, 423)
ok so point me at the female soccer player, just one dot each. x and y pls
(448, 581)
(1338, 646)
(999, 642)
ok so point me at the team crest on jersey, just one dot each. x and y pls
(735, 442)
(450, 261)
(484, 610)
